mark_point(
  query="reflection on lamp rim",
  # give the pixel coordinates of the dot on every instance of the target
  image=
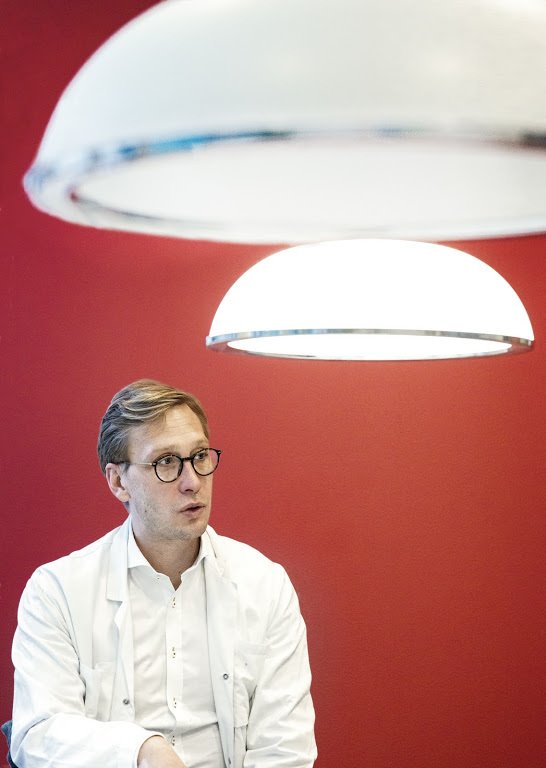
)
(112, 156)
(66, 180)
(223, 342)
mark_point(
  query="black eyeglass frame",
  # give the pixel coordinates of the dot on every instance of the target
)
(181, 460)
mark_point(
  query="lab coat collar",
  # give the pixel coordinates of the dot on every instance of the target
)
(218, 560)
(116, 588)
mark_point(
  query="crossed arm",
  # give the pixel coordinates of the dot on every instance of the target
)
(158, 753)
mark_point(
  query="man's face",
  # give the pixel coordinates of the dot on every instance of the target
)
(162, 512)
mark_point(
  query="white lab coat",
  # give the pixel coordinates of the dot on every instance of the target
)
(73, 658)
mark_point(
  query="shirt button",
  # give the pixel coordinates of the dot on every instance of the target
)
(225, 676)
(126, 701)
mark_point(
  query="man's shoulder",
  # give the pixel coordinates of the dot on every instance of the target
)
(80, 559)
(234, 548)
(238, 557)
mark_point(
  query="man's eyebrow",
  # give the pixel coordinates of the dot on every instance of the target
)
(171, 448)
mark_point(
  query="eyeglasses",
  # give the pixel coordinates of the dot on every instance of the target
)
(168, 468)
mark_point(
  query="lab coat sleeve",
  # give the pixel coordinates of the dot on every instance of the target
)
(50, 723)
(280, 732)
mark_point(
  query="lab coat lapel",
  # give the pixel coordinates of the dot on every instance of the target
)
(221, 623)
(117, 590)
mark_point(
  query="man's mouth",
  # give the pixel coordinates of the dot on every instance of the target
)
(192, 510)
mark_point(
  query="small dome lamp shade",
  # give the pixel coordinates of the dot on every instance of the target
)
(371, 300)
(290, 121)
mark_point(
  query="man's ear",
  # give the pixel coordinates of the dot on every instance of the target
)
(116, 483)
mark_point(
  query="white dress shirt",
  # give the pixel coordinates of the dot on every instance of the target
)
(173, 688)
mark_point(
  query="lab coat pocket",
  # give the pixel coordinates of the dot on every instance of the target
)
(98, 681)
(249, 660)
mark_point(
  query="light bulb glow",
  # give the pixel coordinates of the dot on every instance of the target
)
(371, 300)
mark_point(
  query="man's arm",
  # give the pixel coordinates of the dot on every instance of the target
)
(280, 732)
(157, 753)
(50, 723)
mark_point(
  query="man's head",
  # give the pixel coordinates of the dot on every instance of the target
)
(146, 427)
(141, 402)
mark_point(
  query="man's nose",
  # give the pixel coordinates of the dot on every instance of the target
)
(189, 480)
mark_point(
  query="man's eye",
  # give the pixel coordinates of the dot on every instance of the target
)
(166, 461)
(201, 455)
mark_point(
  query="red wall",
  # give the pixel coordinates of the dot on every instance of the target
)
(413, 530)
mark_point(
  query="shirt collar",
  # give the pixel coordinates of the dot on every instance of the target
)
(135, 557)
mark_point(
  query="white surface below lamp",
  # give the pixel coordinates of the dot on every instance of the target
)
(371, 300)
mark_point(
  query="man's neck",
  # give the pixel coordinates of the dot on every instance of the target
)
(171, 558)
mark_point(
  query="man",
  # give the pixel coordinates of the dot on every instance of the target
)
(163, 644)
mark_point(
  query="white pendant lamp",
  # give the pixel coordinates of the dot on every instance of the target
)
(371, 300)
(300, 120)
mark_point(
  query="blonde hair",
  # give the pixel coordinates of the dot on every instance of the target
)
(142, 401)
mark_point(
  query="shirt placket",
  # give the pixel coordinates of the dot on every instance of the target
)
(174, 663)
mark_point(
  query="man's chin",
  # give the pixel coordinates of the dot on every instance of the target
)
(194, 527)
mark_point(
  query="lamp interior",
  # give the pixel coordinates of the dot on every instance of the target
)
(356, 346)
(311, 187)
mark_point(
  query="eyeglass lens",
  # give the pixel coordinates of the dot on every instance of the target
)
(204, 462)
